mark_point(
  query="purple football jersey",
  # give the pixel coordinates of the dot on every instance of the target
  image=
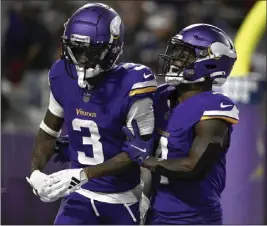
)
(94, 118)
(192, 202)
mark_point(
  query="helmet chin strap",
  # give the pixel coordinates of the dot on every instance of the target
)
(84, 74)
(174, 79)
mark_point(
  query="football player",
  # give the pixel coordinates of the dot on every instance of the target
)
(193, 127)
(95, 98)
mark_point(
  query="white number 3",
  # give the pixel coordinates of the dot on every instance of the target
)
(98, 155)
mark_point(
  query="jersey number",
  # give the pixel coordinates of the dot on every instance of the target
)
(162, 152)
(98, 155)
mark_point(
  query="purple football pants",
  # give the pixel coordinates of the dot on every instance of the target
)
(76, 209)
(161, 218)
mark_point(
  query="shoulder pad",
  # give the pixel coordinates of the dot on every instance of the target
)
(133, 67)
(221, 107)
(163, 86)
(217, 98)
(164, 90)
(128, 66)
(140, 79)
(57, 69)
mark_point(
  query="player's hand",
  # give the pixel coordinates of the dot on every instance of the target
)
(38, 181)
(138, 149)
(64, 182)
(62, 150)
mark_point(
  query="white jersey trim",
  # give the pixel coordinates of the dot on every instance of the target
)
(54, 107)
(233, 113)
(142, 111)
(144, 84)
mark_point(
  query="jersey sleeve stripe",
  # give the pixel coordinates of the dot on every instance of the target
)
(142, 91)
(228, 119)
(145, 84)
(231, 114)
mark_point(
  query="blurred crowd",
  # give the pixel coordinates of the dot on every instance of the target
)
(31, 32)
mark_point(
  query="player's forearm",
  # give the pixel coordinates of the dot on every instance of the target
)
(181, 169)
(194, 167)
(43, 150)
(45, 139)
(178, 165)
(113, 166)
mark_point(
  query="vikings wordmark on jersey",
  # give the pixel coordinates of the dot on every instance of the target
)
(94, 126)
(96, 98)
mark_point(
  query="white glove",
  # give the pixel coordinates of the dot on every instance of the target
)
(64, 182)
(143, 207)
(38, 180)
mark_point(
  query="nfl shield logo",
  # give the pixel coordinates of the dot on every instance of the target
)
(86, 97)
(166, 116)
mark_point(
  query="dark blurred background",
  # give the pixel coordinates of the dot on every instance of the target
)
(30, 41)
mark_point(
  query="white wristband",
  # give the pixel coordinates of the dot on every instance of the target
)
(49, 131)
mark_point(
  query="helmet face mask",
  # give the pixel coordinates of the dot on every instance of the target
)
(177, 56)
(83, 54)
(180, 54)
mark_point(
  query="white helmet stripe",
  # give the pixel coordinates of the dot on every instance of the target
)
(219, 49)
